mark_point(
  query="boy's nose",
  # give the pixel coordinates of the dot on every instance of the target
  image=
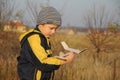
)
(53, 31)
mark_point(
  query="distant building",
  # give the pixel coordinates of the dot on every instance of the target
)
(15, 26)
(71, 32)
(68, 31)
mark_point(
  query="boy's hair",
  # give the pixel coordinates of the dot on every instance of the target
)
(49, 15)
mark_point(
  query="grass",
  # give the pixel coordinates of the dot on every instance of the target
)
(85, 66)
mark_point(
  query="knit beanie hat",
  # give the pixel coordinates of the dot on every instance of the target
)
(49, 15)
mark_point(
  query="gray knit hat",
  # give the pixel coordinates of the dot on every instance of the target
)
(49, 15)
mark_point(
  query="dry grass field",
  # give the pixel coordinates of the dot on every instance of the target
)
(85, 66)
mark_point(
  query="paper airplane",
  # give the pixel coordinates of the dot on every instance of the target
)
(65, 46)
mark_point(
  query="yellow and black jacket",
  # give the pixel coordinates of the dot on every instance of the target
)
(35, 61)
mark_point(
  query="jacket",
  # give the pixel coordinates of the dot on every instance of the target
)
(35, 61)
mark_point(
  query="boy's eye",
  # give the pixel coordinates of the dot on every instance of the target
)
(53, 28)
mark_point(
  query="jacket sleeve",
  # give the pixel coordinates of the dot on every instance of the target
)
(43, 62)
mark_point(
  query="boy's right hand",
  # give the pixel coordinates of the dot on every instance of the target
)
(69, 58)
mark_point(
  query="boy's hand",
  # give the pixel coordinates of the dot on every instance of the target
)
(69, 58)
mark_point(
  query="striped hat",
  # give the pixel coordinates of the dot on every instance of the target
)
(49, 15)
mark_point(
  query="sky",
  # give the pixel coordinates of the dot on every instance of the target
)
(72, 11)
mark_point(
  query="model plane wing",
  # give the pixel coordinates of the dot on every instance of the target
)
(65, 46)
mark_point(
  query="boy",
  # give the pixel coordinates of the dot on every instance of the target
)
(35, 61)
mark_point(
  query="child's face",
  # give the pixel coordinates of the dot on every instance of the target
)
(48, 29)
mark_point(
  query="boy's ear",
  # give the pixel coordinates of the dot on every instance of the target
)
(40, 25)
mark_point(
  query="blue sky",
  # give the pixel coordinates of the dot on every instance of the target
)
(73, 10)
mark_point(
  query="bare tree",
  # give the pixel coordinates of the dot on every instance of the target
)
(97, 21)
(118, 14)
(33, 8)
(6, 10)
